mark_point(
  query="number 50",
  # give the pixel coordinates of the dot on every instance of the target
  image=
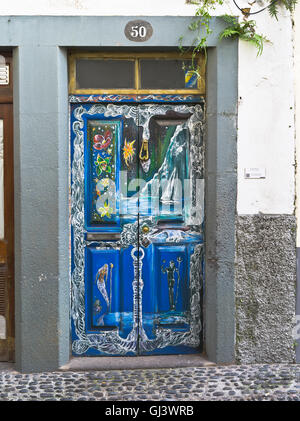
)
(138, 31)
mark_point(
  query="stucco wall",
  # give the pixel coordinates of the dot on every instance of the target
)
(265, 288)
(266, 121)
(297, 100)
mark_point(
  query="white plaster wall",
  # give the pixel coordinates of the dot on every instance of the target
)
(96, 7)
(297, 92)
(266, 136)
(266, 133)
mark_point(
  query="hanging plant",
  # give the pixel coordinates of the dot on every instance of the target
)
(244, 29)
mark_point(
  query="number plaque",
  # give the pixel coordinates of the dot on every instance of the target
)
(138, 30)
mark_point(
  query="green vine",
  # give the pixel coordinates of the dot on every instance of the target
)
(288, 4)
(244, 30)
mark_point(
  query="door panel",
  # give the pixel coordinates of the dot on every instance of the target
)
(137, 247)
(103, 139)
(166, 136)
(7, 235)
(172, 133)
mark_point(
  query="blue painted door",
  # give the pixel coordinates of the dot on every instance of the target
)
(137, 228)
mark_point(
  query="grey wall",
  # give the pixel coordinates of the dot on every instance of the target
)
(41, 207)
(265, 288)
(220, 197)
(41, 183)
(298, 308)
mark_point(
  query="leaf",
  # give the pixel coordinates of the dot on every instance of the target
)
(244, 30)
(231, 20)
(228, 32)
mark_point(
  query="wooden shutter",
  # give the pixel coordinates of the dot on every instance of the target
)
(3, 276)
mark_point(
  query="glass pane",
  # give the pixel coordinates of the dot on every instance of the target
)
(1, 183)
(105, 74)
(164, 167)
(2, 327)
(167, 74)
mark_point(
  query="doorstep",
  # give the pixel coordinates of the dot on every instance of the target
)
(144, 362)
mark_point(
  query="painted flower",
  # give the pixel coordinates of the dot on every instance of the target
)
(106, 210)
(128, 152)
(102, 185)
(102, 165)
(102, 142)
(105, 182)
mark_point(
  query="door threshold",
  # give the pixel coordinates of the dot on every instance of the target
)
(143, 362)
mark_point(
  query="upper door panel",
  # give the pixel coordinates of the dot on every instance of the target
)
(171, 160)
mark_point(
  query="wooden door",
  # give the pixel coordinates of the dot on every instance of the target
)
(171, 233)
(137, 250)
(6, 214)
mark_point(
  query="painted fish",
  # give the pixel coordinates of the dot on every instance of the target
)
(101, 278)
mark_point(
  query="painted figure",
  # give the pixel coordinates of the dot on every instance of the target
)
(171, 270)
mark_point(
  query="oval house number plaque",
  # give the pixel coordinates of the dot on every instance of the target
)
(138, 30)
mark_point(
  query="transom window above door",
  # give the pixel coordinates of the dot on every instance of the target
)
(141, 73)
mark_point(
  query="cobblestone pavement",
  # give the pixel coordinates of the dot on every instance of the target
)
(256, 382)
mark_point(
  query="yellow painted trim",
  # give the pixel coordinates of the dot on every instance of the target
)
(121, 55)
(134, 56)
(137, 75)
(72, 73)
(202, 75)
(137, 91)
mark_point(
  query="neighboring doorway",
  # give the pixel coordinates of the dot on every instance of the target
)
(137, 240)
(6, 211)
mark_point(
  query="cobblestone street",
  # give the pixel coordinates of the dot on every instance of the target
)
(257, 382)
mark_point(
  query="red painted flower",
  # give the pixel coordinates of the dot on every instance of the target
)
(102, 142)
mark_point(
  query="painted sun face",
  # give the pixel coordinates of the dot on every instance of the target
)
(128, 152)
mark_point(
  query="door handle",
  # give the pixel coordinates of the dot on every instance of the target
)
(103, 236)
